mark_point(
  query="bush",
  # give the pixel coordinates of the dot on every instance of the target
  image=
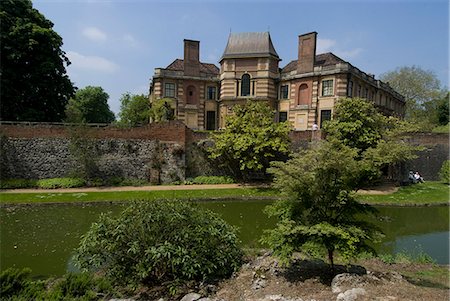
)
(17, 183)
(160, 242)
(17, 283)
(444, 173)
(61, 183)
(213, 180)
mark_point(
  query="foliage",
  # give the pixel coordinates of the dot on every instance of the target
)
(213, 180)
(90, 105)
(442, 129)
(84, 153)
(251, 140)
(17, 183)
(443, 110)
(161, 110)
(444, 173)
(418, 86)
(160, 242)
(134, 110)
(60, 183)
(34, 83)
(320, 208)
(379, 140)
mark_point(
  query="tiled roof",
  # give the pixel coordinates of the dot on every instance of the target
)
(249, 44)
(178, 65)
(324, 59)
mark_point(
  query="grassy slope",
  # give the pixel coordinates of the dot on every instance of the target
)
(426, 193)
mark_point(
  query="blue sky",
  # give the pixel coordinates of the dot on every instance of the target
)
(117, 44)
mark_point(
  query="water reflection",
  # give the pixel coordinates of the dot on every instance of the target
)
(43, 237)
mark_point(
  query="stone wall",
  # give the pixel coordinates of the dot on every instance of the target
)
(48, 151)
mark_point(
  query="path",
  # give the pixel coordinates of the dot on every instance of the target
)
(384, 189)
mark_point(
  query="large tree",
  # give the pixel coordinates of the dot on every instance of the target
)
(418, 86)
(90, 105)
(34, 83)
(134, 110)
(251, 139)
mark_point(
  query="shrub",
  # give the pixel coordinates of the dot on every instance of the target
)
(17, 283)
(213, 180)
(17, 183)
(160, 242)
(60, 183)
(444, 173)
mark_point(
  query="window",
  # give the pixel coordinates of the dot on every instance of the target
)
(350, 89)
(245, 85)
(359, 91)
(324, 116)
(169, 90)
(304, 96)
(327, 87)
(210, 120)
(282, 117)
(366, 94)
(211, 93)
(284, 92)
(191, 95)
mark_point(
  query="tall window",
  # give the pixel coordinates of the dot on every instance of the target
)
(210, 120)
(324, 116)
(169, 90)
(282, 117)
(350, 89)
(245, 85)
(211, 93)
(327, 87)
(284, 92)
(366, 94)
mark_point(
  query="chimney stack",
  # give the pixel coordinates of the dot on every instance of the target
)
(306, 52)
(191, 58)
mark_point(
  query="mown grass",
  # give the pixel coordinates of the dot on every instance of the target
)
(55, 197)
(424, 193)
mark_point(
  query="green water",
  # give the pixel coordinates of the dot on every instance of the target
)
(43, 237)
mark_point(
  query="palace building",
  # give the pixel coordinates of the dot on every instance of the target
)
(304, 92)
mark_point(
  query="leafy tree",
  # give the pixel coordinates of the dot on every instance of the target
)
(251, 139)
(319, 209)
(134, 110)
(159, 243)
(418, 86)
(34, 83)
(161, 110)
(444, 173)
(443, 110)
(90, 105)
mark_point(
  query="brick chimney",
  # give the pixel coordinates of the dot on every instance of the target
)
(306, 52)
(191, 58)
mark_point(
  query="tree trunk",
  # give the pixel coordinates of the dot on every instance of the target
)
(330, 258)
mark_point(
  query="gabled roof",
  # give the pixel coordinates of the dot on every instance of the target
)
(324, 59)
(249, 44)
(178, 65)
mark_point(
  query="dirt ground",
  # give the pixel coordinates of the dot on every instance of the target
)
(311, 280)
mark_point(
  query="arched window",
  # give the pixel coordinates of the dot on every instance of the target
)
(191, 97)
(245, 85)
(303, 97)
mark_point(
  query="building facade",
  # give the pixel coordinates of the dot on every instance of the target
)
(304, 92)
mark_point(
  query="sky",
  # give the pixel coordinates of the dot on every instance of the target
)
(117, 44)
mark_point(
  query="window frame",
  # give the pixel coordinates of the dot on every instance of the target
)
(285, 113)
(284, 93)
(328, 87)
(166, 89)
(322, 115)
(247, 76)
(210, 96)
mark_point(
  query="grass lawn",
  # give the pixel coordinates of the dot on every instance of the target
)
(423, 193)
(52, 197)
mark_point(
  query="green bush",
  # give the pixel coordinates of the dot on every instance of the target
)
(15, 284)
(444, 173)
(17, 183)
(160, 242)
(213, 180)
(61, 183)
(445, 129)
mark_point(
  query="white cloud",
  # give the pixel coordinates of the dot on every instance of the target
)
(91, 63)
(94, 34)
(324, 45)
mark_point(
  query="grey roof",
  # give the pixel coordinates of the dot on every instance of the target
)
(249, 44)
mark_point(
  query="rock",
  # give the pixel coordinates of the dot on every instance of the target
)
(191, 297)
(351, 294)
(204, 299)
(341, 281)
(258, 284)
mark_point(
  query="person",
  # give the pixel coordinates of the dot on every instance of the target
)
(411, 177)
(315, 127)
(418, 177)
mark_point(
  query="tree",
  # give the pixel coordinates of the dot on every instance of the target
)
(378, 140)
(319, 209)
(134, 110)
(418, 86)
(443, 110)
(161, 110)
(160, 242)
(250, 140)
(34, 83)
(90, 105)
